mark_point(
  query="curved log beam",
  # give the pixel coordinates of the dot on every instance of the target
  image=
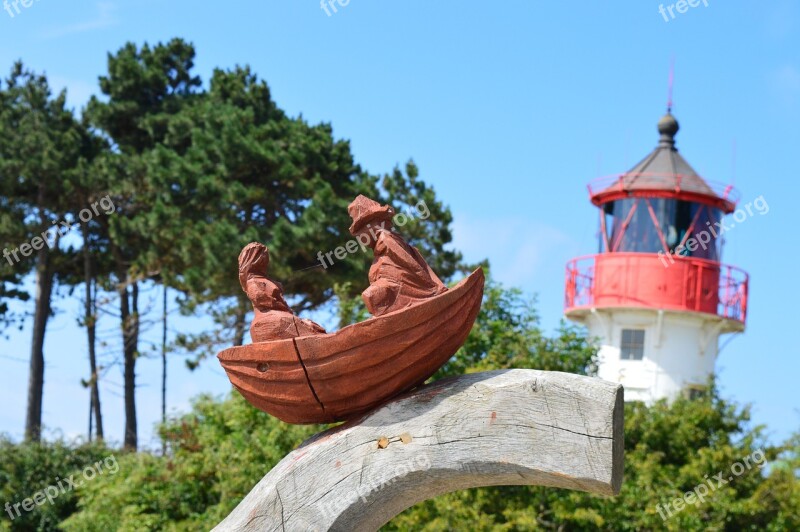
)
(515, 427)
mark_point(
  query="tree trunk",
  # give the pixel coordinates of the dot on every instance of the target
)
(98, 412)
(90, 318)
(44, 289)
(241, 320)
(129, 316)
(131, 352)
(164, 371)
(91, 410)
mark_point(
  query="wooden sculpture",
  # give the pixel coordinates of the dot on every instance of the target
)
(399, 277)
(300, 374)
(273, 319)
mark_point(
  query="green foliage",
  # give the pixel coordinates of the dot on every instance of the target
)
(507, 335)
(30, 467)
(10, 279)
(427, 219)
(350, 309)
(41, 157)
(44, 152)
(234, 169)
(143, 86)
(217, 453)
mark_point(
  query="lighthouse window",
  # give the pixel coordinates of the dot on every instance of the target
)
(647, 225)
(632, 347)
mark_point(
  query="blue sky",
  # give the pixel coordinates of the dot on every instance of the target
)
(509, 109)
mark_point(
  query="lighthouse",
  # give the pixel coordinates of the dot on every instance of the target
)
(657, 296)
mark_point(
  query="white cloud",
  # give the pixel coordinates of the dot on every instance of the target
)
(103, 19)
(781, 19)
(785, 84)
(520, 251)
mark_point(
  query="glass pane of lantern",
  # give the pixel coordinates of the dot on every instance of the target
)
(632, 227)
(640, 235)
(704, 238)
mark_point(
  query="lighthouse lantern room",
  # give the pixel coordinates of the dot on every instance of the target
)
(657, 296)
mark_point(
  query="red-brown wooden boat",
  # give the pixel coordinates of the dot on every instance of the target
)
(338, 376)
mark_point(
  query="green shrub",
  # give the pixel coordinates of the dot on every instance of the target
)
(27, 468)
(217, 453)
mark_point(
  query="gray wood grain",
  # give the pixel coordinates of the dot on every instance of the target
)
(515, 427)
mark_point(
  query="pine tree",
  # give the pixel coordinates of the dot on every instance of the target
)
(144, 87)
(42, 153)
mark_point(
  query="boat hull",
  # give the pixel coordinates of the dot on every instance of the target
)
(339, 376)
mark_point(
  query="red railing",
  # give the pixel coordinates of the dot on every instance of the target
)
(733, 286)
(656, 281)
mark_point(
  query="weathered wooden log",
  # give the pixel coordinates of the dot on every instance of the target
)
(515, 427)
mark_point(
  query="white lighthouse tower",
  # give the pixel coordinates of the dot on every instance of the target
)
(657, 296)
